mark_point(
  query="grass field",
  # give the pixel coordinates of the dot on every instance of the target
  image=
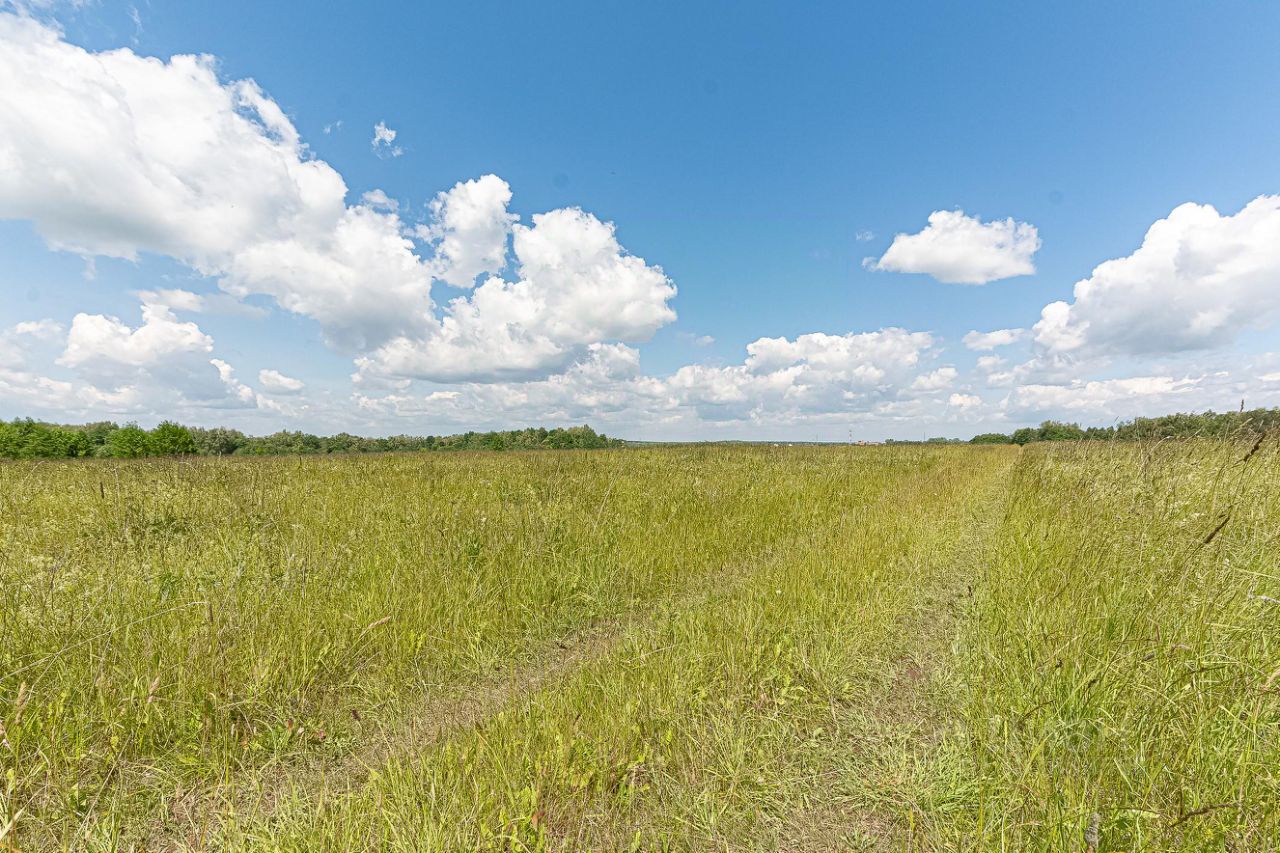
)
(731, 648)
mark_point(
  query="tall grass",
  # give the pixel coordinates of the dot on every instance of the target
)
(672, 648)
(1120, 665)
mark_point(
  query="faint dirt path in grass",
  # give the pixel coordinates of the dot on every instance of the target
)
(432, 718)
(873, 804)
(195, 818)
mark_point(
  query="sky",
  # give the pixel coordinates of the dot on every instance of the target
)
(667, 220)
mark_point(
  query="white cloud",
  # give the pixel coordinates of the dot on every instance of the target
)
(177, 299)
(276, 382)
(235, 388)
(115, 154)
(470, 226)
(936, 380)
(576, 286)
(988, 363)
(379, 200)
(1101, 396)
(813, 375)
(959, 249)
(95, 338)
(18, 342)
(987, 341)
(605, 382)
(1198, 279)
(28, 389)
(383, 142)
(964, 401)
(167, 159)
(161, 366)
(44, 330)
(816, 378)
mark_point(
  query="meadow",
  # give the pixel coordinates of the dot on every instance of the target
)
(1063, 646)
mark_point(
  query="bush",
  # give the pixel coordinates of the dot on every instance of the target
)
(170, 439)
(128, 442)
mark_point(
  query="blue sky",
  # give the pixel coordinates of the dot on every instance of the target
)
(755, 153)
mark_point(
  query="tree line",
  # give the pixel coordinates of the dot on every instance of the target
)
(1181, 425)
(30, 439)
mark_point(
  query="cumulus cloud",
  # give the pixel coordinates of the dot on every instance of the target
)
(31, 390)
(235, 388)
(959, 249)
(168, 159)
(1198, 279)
(987, 341)
(964, 401)
(988, 363)
(935, 380)
(384, 141)
(606, 381)
(814, 374)
(277, 383)
(576, 286)
(96, 338)
(1101, 396)
(116, 154)
(111, 368)
(470, 226)
(816, 378)
(160, 364)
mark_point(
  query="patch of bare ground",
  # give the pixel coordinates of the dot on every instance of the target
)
(870, 804)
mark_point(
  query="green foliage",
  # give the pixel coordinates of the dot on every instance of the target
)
(170, 439)
(28, 439)
(128, 442)
(1182, 425)
(218, 441)
(1026, 435)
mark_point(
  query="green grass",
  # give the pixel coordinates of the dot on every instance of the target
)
(740, 648)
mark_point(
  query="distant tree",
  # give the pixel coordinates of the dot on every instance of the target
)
(218, 441)
(28, 439)
(170, 439)
(1026, 435)
(344, 442)
(1058, 431)
(991, 438)
(97, 433)
(128, 442)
